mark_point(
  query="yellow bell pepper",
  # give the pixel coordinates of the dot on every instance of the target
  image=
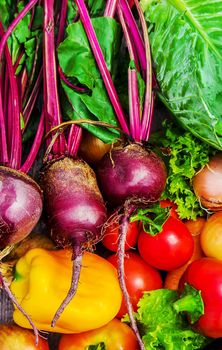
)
(42, 279)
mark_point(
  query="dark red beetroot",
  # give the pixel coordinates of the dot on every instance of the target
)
(20, 206)
(131, 173)
(74, 205)
(76, 211)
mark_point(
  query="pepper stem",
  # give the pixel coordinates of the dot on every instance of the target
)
(191, 302)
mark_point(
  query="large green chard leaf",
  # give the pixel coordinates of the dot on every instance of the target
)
(186, 43)
(78, 63)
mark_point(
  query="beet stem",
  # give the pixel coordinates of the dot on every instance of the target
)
(135, 34)
(120, 254)
(15, 302)
(3, 141)
(110, 8)
(52, 106)
(134, 102)
(148, 105)
(62, 21)
(35, 146)
(67, 82)
(32, 99)
(74, 140)
(87, 24)
(76, 269)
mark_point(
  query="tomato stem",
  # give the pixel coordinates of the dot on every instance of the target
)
(191, 302)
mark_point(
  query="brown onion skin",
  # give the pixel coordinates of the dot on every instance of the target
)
(207, 184)
(74, 205)
(20, 206)
(92, 149)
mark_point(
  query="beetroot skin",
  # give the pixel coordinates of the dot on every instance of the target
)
(132, 173)
(74, 205)
(20, 206)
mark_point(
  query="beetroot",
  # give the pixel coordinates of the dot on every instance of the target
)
(74, 205)
(20, 206)
(76, 212)
(131, 173)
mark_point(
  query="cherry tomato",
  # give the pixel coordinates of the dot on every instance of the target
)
(205, 275)
(170, 248)
(111, 236)
(139, 276)
(211, 236)
(166, 203)
(116, 335)
(13, 337)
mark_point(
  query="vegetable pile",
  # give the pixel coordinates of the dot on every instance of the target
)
(110, 174)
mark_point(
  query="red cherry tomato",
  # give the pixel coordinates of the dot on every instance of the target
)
(205, 275)
(111, 236)
(139, 276)
(169, 249)
(166, 203)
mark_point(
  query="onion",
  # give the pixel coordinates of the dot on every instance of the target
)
(92, 149)
(207, 184)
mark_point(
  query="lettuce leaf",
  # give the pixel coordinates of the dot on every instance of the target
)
(186, 44)
(162, 327)
(184, 154)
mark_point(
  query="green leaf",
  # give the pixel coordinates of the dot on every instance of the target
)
(38, 18)
(162, 327)
(96, 7)
(75, 109)
(6, 13)
(186, 44)
(191, 302)
(153, 218)
(184, 155)
(22, 31)
(78, 63)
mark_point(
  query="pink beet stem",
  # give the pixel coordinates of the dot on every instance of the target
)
(86, 21)
(74, 140)
(134, 102)
(52, 107)
(110, 8)
(135, 34)
(32, 99)
(35, 146)
(147, 115)
(62, 21)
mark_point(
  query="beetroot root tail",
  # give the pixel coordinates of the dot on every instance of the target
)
(121, 275)
(19, 307)
(76, 269)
